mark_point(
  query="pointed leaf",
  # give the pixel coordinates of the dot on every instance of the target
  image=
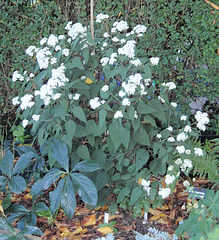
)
(6, 164)
(102, 117)
(70, 127)
(87, 166)
(31, 230)
(83, 152)
(17, 184)
(79, 113)
(22, 162)
(55, 196)
(114, 133)
(68, 200)
(60, 153)
(46, 181)
(124, 135)
(141, 136)
(86, 188)
(135, 195)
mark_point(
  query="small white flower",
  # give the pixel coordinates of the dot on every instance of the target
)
(106, 35)
(170, 168)
(173, 104)
(187, 128)
(154, 60)
(186, 183)
(56, 96)
(115, 39)
(118, 114)
(105, 44)
(95, 103)
(164, 192)
(159, 135)
(183, 118)
(180, 149)
(76, 96)
(53, 60)
(188, 163)
(170, 128)
(171, 139)
(178, 161)
(161, 99)
(57, 48)
(198, 151)
(25, 123)
(193, 179)
(65, 52)
(104, 61)
(15, 101)
(188, 151)
(31, 75)
(126, 102)
(181, 137)
(146, 185)
(100, 17)
(122, 94)
(169, 179)
(136, 114)
(105, 88)
(43, 40)
(36, 117)
(102, 101)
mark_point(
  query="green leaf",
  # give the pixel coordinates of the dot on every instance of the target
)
(147, 71)
(86, 54)
(142, 157)
(75, 63)
(5, 225)
(31, 230)
(95, 129)
(145, 109)
(141, 136)
(17, 184)
(86, 188)
(45, 182)
(70, 127)
(83, 152)
(149, 119)
(81, 131)
(114, 133)
(68, 200)
(135, 195)
(87, 166)
(122, 194)
(6, 164)
(79, 113)
(136, 124)
(102, 117)
(124, 135)
(22, 162)
(55, 196)
(60, 153)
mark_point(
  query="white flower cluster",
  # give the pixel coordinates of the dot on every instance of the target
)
(100, 17)
(118, 114)
(105, 88)
(112, 58)
(128, 49)
(43, 57)
(120, 26)
(15, 101)
(75, 97)
(136, 62)
(164, 192)
(154, 60)
(36, 117)
(169, 179)
(131, 85)
(95, 102)
(185, 164)
(198, 151)
(170, 85)
(52, 40)
(17, 76)
(146, 185)
(202, 119)
(104, 61)
(181, 137)
(75, 30)
(139, 29)
(26, 101)
(57, 80)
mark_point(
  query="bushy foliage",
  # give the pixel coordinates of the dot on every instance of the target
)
(22, 24)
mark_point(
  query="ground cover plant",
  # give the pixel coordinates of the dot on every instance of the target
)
(103, 125)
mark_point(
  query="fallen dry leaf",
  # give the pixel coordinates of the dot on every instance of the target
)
(105, 230)
(89, 220)
(163, 221)
(78, 230)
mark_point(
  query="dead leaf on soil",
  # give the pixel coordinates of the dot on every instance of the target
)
(89, 220)
(105, 230)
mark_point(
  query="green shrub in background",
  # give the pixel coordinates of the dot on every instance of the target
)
(21, 24)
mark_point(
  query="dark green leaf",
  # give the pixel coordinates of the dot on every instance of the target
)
(60, 153)
(31, 230)
(86, 188)
(17, 184)
(122, 194)
(102, 117)
(114, 133)
(75, 63)
(141, 136)
(79, 113)
(6, 164)
(124, 135)
(87, 166)
(70, 127)
(142, 157)
(46, 181)
(145, 109)
(68, 200)
(22, 162)
(81, 131)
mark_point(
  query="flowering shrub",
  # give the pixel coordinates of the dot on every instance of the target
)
(102, 121)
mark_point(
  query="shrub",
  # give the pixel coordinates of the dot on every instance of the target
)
(101, 121)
